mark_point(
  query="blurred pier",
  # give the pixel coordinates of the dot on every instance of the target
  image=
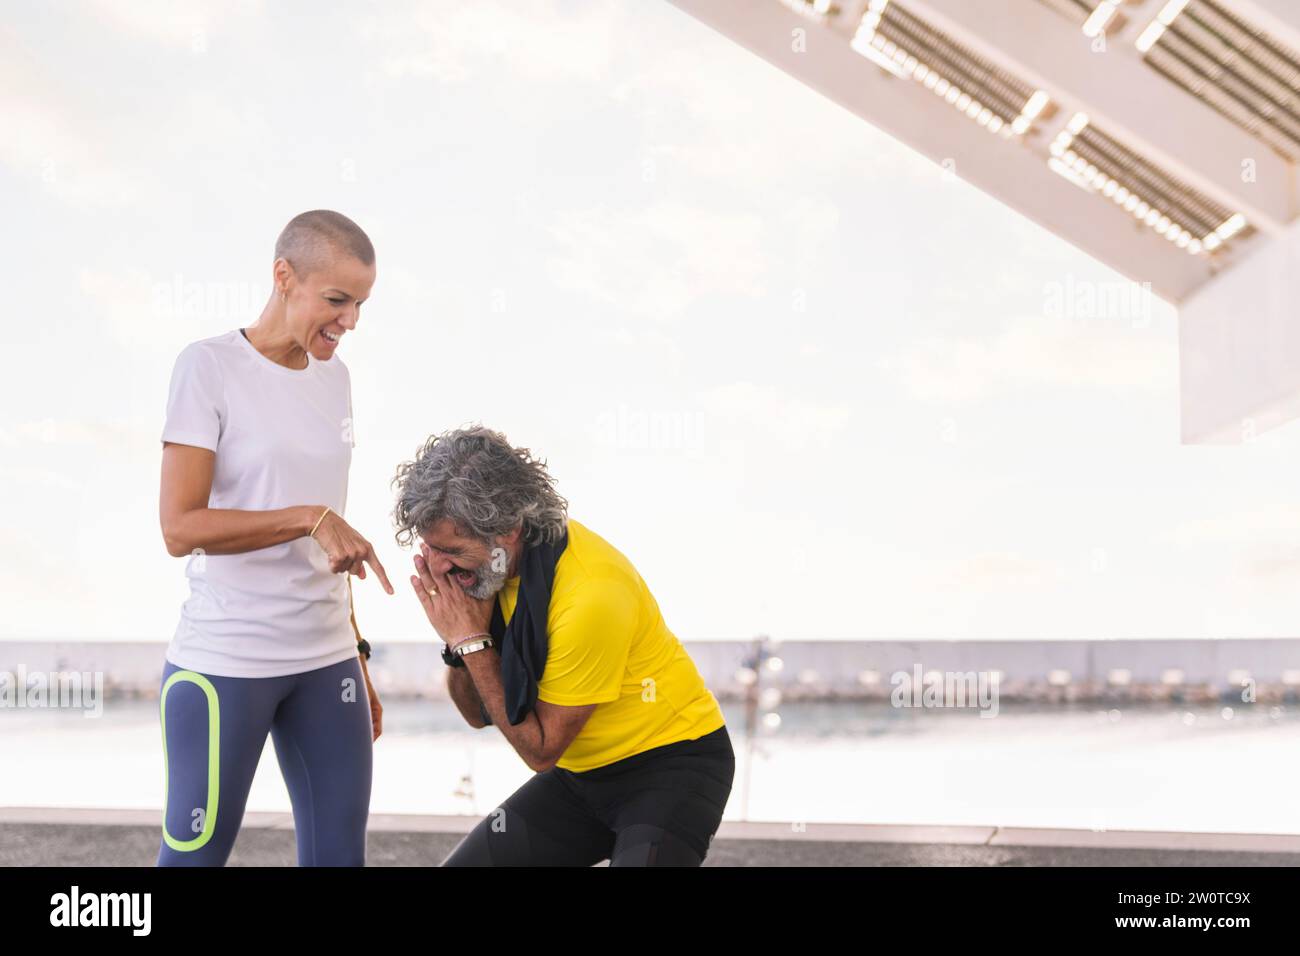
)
(1048, 671)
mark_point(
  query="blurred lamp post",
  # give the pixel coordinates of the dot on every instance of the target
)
(762, 657)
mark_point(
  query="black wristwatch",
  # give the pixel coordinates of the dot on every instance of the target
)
(450, 659)
(363, 647)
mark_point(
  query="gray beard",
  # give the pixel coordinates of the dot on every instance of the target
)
(487, 583)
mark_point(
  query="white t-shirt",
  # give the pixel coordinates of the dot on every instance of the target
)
(282, 437)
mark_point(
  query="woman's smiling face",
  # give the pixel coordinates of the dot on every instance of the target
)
(323, 306)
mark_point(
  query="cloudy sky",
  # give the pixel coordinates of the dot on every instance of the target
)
(811, 384)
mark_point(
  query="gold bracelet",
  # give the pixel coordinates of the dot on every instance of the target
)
(318, 521)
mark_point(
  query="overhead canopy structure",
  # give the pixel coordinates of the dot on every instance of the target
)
(1159, 136)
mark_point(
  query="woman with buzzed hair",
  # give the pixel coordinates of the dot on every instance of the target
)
(256, 448)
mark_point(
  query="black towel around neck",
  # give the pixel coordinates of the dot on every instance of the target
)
(523, 644)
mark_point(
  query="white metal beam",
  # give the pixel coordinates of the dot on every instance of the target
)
(1125, 99)
(1280, 19)
(1015, 173)
(1239, 347)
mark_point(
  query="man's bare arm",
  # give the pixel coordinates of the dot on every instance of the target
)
(465, 696)
(542, 736)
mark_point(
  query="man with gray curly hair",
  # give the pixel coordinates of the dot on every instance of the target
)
(552, 636)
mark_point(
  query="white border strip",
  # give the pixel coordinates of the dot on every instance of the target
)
(749, 830)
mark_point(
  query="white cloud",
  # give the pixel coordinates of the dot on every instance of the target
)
(1000, 571)
(1038, 352)
(160, 315)
(654, 262)
(779, 416)
(177, 23)
(1274, 566)
(453, 42)
(1238, 527)
(718, 130)
(90, 158)
(62, 434)
(47, 142)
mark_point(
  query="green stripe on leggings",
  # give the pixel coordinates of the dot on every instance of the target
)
(214, 760)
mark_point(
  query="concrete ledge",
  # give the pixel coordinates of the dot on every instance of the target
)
(1149, 840)
(98, 817)
(855, 832)
(992, 836)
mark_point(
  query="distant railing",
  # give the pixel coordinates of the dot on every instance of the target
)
(1037, 670)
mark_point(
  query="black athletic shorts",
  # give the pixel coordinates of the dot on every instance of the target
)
(660, 807)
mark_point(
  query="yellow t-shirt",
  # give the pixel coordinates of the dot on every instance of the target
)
(609, 646)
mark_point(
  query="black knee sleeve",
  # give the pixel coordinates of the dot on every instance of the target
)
(644, 844)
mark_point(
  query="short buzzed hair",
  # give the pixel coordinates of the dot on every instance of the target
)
(311, 239)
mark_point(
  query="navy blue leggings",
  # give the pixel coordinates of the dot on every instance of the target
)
(214, 730)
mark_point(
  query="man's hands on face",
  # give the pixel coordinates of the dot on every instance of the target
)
(453, 613)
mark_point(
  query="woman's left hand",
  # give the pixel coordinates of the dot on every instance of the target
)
(453, 613)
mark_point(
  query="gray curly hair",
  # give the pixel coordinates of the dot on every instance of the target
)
(484, 485)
